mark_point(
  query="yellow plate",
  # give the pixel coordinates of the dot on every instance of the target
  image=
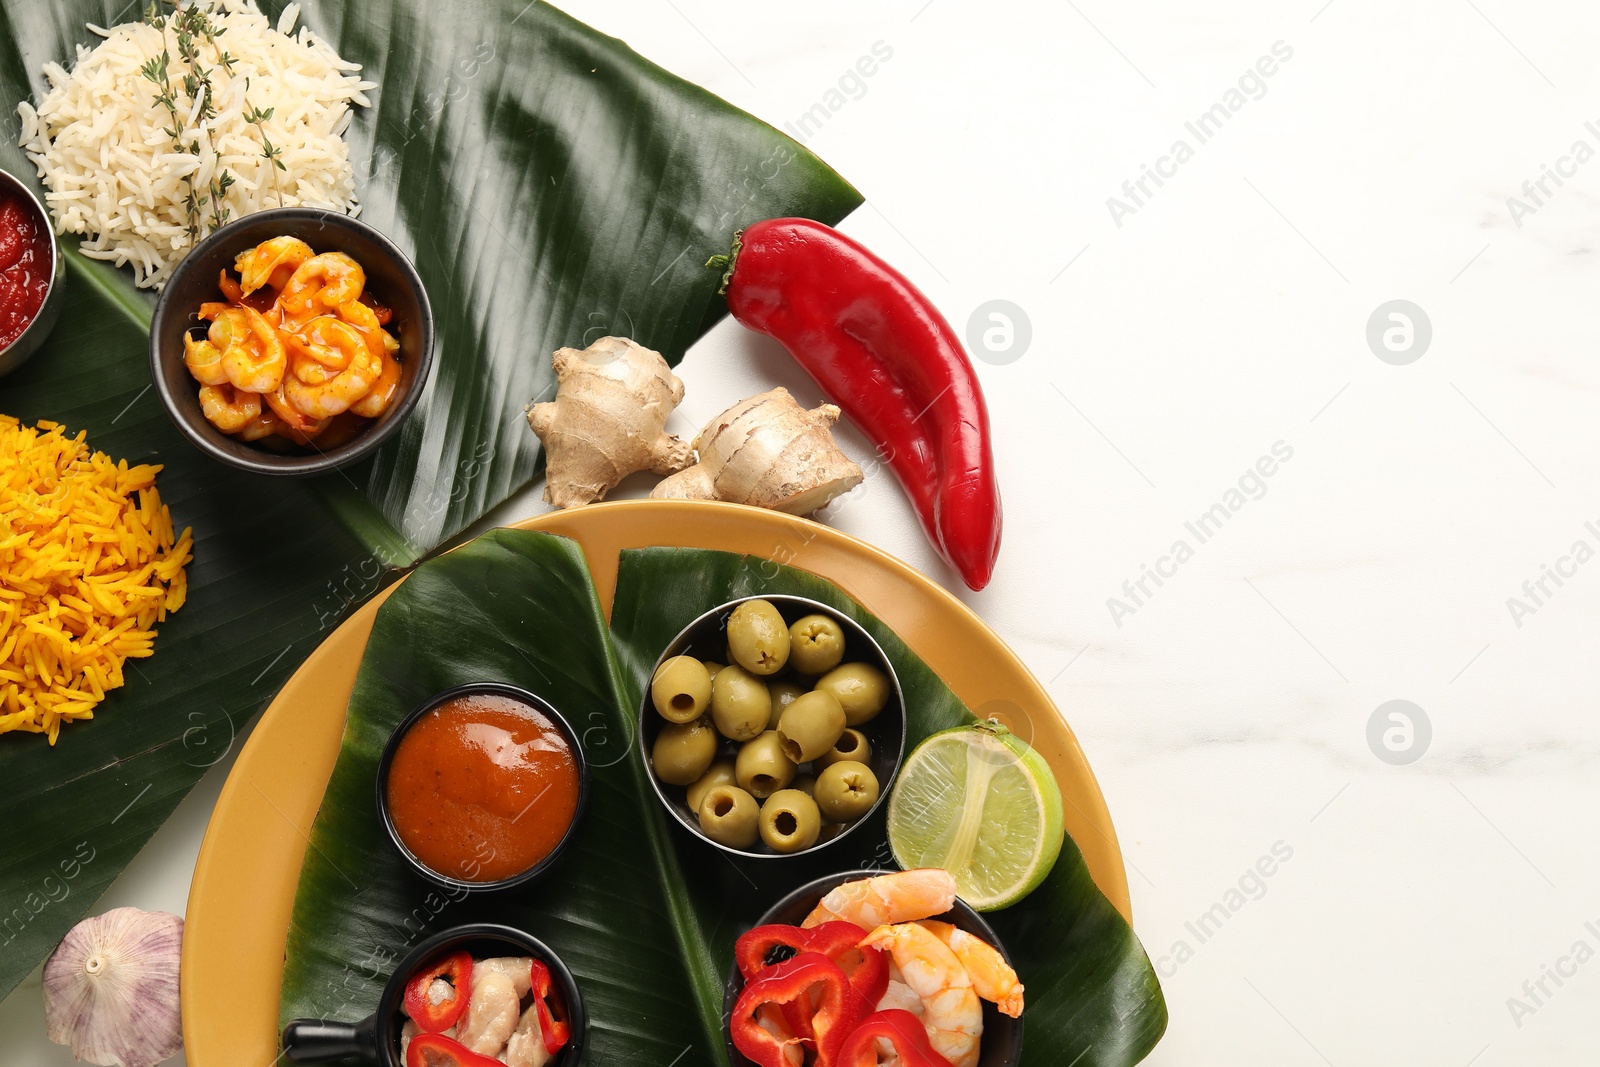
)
(249, 865)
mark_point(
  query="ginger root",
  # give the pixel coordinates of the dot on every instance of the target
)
(770, 452)
(607, 421)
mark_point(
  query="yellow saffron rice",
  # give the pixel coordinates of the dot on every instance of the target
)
(88, 566)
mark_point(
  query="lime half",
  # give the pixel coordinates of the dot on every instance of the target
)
(983, 805)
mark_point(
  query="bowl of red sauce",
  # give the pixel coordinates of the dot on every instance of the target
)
(482, 787)
(31, 270)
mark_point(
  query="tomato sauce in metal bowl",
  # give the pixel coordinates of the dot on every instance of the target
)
(26, 265)
(483, 787)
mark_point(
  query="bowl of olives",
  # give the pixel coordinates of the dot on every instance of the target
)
(772, 726)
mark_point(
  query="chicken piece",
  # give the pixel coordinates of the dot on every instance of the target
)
(517, 968)
(407, 1032)
(526, 1045)
(491, 1013)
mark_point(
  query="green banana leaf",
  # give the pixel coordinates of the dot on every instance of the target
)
(551, 186)
(643, 913)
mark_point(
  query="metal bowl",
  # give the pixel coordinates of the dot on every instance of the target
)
(705, 638)
(391, 278)
(28, 341)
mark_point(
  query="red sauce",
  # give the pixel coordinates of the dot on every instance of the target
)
(25, 265)
(482, 787)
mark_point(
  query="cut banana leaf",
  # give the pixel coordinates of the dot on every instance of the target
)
(551, 186)
(644, 913)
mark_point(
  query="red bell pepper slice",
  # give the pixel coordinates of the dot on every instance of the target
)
(870, 977)
(904, 1032)
(837, 940)
(436, 1050)
(784, 983)
(556, 1032)
(455, 969)
(750, 951)
(832, 939)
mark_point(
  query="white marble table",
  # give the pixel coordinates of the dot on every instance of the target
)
(1415, 912)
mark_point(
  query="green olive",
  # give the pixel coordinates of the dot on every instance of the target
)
(810, 726)
(719, 773)
(816, 644)
(806, 783)
(729, 815)
(761, 766)
(758, 640)
(790, 821)
(861, 689)
(683, 751)
(712, 667)
(783, 694)
(681, 689)
(852, 745)
(846, 790)
(740, 703)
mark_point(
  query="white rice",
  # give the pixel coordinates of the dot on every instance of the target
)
(111, 172)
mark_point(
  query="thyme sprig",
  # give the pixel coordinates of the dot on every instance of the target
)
(270, 152)
(192, 25)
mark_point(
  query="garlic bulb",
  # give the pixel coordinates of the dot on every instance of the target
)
(111, 989)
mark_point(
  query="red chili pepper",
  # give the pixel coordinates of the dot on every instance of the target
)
(456, 969)
(785, 983)
(885, 355)
(436, 1050)
(904, 1032)
(556, 1032)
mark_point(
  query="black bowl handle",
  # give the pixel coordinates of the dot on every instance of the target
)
(320, 1040)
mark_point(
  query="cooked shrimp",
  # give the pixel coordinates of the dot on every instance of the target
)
(263, 425)
(252, 355)
(525, 1047)
(378, 398)
(887, 898)
(381, 342)
(324, 346)
(951, 1011)
(491, 1016)
(297, 427)
(366, 320)
(899, 995)
(229, 408)
(204, 361)
(519, 969)
(336, 369)
(321, 284)
(992, 977)
(270, 263)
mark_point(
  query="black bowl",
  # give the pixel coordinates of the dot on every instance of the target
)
(1002, 1035)
(391, 279)
(499, 689)
(706, 638)
(376, 1039)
